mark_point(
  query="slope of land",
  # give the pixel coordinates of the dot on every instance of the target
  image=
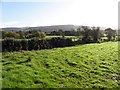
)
(45, 28)
(82, 66)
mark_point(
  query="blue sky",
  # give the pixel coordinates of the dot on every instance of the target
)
(77, 12)
(25, 12)
(28, 11)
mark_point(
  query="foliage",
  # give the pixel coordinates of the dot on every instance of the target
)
(86, 33)
(35, 44)
(110, 34)
(40, 35)
(23, 34)
(10, 34)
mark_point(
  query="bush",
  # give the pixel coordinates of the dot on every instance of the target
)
(35, 44)
(24, 44)
(118, 38)
(8, 45)
(61, 42)
(38, 44)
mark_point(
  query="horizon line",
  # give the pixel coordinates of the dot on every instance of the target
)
(56, 25)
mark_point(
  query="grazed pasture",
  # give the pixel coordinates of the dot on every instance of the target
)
(81, 66)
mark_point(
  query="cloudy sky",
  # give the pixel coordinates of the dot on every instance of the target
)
(103, 13)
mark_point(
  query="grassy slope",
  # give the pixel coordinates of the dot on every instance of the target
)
(83, 66)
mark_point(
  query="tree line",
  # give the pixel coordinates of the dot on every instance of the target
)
(34, 39)
(30, 34)
(89, 33)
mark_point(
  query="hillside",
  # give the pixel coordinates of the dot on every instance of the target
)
(83, 66)
(55, 28)
(11, 28)
(46, 28)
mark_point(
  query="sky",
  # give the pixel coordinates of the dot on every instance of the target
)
(29, 13)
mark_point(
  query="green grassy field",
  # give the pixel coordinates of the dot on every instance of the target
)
(81, 66)
(60, 36)
(74, 38)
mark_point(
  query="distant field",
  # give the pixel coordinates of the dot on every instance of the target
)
(83, 66)
(61, 36)
(74, 38)
(49, 37)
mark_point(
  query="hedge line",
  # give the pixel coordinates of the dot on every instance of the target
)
(10, 45)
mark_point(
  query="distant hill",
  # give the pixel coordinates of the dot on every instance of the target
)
(11, 28)
(55, 28)
(46, 28)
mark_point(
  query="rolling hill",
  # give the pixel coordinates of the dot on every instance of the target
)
(46, 28)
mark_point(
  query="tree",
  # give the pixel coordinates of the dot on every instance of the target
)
(110, 33)
(79, 33)
(4, 34)
(40, 35)
(13, 34)
(86, 33)
(95, 33)
(61, 32)
(21, 33)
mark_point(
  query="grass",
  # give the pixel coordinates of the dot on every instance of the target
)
(81, 66)
(60, 36)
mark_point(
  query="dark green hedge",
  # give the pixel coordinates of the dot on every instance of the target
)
(35, 44)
